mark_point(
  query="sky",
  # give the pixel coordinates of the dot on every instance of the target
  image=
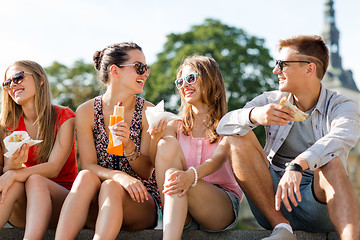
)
(68, 30)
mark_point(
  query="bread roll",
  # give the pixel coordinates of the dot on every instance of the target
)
(298, 114)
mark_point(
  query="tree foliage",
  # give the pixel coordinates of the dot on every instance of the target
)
(71, 86)
(243, 60)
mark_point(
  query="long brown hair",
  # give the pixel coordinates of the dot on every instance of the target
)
(212, 94)
(46, 113)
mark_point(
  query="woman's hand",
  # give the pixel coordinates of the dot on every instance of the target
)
(179, 182)
(158, 131)
(133, 186)
(121, 131)
(17, 159)
(6, 180)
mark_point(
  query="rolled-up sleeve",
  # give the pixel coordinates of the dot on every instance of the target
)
(342, 135)
(236, 122)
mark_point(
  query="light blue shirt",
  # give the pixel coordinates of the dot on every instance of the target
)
(335, 123)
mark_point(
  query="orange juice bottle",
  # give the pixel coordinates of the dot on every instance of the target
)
(115, 145)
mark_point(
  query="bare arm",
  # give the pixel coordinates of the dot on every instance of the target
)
(88, 156)
(50, 169)
(181, 181)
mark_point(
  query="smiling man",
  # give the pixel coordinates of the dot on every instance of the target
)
(299, 180)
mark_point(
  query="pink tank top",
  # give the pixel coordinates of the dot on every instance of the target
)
(197, 151)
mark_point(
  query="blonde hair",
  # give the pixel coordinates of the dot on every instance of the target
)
(212, 94)
(46, 113)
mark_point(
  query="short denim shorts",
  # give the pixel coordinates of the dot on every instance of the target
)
(193, 225)
(310, 215)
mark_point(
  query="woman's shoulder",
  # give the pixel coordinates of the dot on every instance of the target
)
(148, 104)
(86, 107)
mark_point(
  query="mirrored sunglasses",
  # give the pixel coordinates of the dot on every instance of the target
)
(16, 79)
(190, 79)
(140, 67)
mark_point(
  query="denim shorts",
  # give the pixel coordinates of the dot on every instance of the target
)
(310, 215)
(193, 225)
(158, 221)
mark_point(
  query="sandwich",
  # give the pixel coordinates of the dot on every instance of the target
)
(298, 114)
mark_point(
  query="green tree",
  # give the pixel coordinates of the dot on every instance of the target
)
(243, 60)
(71, 86)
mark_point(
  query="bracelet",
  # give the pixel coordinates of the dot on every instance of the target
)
(134, 155)
(293, 167)
(196, 176)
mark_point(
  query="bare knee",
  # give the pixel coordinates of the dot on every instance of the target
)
(36, 181)
(168, 149)
(112, 189)
(246, 148)
(86, 180)
(330, 179)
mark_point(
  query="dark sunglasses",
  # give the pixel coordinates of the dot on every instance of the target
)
(281, 63)
(140, 67)
(190, 79)
(16, 79)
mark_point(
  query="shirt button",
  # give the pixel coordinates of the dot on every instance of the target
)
(332, 155)
(281, 139)
(315, 165)
(269, 133)
(289, 123)
(270, 157)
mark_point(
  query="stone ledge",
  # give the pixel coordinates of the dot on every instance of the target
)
(16, 233)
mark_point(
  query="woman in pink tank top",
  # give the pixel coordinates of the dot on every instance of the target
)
(197, 185)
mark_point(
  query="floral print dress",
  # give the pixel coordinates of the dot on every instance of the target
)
(120, 162)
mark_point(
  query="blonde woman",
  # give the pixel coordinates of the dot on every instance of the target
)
(35, 180)
(113, 193)
(198, 187)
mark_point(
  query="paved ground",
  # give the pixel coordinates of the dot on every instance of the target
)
(17, 234)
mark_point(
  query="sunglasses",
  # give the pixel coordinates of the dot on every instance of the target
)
(280, 63)
(16, 79)
(140, 67)
(190, 79)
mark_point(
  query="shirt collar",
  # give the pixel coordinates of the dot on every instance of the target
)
(321, 103)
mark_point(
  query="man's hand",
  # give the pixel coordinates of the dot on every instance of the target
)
(288, 185)
(271, 114)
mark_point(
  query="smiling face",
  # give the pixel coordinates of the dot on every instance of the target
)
(128, 76)
(191, 93)
(25, 91)
(291, 78)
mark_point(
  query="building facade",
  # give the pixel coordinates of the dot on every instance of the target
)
(341, 81)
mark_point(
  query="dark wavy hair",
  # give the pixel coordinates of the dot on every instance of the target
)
(114, 54)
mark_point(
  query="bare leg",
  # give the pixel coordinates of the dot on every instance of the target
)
(175, 212)
(117, 209)
(251, 169)
(13, 208)
(210, 206)
(44, 201)
(75, 209)
(331, 185)
(169, 156)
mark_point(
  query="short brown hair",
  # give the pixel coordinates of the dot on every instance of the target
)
(313, 48)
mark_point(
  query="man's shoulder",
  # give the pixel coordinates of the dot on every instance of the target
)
(273, 96)
(333, 101)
